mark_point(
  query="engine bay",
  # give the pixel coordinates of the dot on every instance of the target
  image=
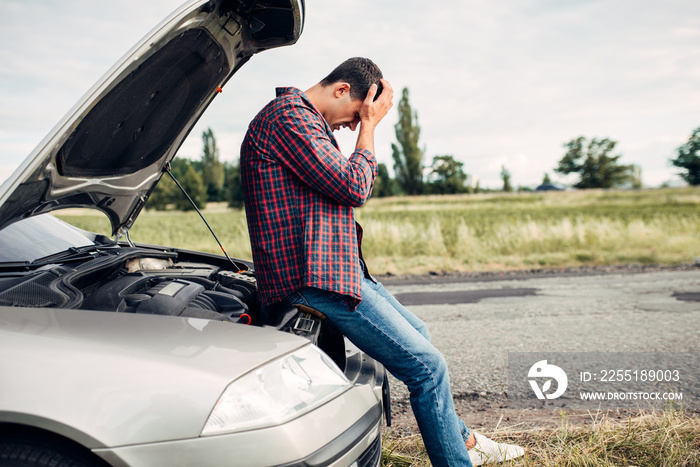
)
(125, 281)
(161, 286)
(164, 282)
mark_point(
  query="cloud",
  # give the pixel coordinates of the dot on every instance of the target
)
(492, 83)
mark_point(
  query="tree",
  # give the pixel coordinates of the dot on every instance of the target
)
(384, 185)
(408, 157)
(546, 179)
(447, 175)
(635, 176)
(234, 185)
(593, 162)
(213, 174)
(179, 166)
(689, 159)
(167, 192)
(505, 176)
(163, 195)
(193, 184)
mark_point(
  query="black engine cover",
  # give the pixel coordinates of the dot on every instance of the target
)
(136, 293)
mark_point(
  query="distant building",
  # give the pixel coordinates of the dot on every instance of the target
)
(551, 186)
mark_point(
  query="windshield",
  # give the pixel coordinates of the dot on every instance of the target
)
(37, 237)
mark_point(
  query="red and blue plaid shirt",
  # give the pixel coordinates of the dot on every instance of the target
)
(299, 196)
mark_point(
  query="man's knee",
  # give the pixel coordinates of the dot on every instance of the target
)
(423, 329)
(439, 363)
(430, 368)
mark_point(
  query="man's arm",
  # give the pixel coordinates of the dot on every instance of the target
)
(371, 113)
(306, 150)
(310, 154)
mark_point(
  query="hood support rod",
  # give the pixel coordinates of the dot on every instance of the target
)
(194, 205)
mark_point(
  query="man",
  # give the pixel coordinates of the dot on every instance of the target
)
(300, 192)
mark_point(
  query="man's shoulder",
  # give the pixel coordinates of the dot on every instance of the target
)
(289, 105)
(289, 93)
(291, 98)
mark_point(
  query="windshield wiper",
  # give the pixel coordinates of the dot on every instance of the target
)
(75, 254)
(68, 256)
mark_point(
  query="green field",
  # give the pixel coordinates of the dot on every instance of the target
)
(477, 232)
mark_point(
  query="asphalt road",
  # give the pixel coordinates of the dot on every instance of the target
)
(476, 322)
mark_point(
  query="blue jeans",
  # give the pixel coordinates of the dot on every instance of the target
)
(386, 331)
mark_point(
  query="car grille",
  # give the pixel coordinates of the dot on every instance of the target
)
(372, 455)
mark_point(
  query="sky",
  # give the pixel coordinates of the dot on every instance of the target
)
(493, 83)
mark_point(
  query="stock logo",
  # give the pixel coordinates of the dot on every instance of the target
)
(542, 369)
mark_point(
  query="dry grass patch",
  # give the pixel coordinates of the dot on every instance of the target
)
(668, 439)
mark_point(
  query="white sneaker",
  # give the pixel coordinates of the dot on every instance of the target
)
(487, 451)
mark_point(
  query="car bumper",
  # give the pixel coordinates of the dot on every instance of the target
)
(331, 435)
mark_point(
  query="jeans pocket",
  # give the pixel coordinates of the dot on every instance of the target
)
(316, 298)
(294, 298)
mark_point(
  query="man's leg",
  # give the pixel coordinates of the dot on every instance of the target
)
(383, 332)
(398, 306)
(421, 327)
(481, 449)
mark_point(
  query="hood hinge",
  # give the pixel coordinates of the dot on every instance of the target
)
(124, 232)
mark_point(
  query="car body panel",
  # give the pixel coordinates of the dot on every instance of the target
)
(306, 439)
(106, 363)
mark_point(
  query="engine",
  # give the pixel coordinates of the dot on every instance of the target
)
(158, 295)
(140, 285)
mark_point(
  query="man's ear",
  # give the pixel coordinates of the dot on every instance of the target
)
(341, 89)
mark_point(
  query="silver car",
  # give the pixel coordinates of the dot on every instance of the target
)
(123, 354)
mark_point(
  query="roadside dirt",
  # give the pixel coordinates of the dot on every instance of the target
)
(490, 414)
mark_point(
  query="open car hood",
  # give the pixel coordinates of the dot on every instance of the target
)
(109, 151)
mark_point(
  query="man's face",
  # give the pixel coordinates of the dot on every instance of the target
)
(345, 111)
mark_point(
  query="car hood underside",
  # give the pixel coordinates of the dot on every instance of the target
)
(110, 150)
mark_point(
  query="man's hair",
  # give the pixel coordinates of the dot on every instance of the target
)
(360, 73)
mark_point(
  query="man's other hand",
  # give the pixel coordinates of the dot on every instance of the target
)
(372, 112)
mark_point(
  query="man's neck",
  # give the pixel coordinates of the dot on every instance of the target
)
(317, 96)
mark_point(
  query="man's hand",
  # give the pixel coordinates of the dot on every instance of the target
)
(372, 112)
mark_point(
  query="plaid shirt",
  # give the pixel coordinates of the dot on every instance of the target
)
(299, 197)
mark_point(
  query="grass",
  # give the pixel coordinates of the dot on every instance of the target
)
(532, 230)
(667, 439)
(478, 232)
(176, 228)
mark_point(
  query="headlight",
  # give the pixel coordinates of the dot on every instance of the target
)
(277, 392)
